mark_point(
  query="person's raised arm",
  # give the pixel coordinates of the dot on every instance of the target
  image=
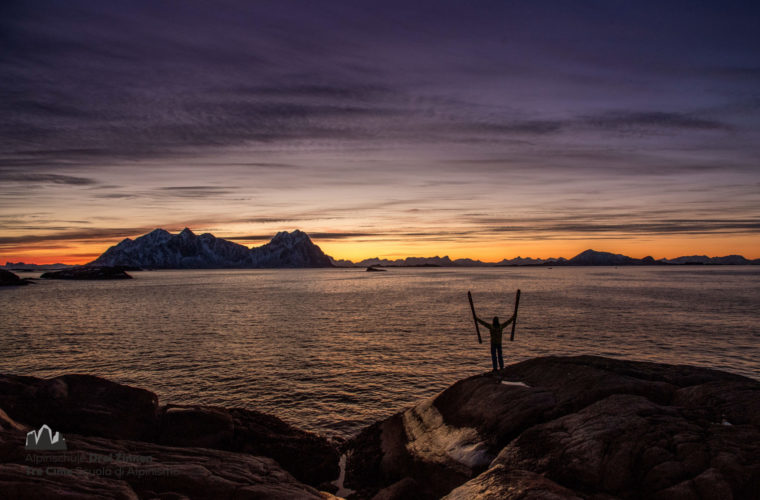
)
(487, 325)
(510, 320)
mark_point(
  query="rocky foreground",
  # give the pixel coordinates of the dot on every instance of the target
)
(574, 427)
(193, 451)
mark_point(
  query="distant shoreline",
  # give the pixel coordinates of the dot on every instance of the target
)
(43, 267)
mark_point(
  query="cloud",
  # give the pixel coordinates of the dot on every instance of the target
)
(316, 235)
(116, 196)
(527, 127)
(329, 92)
(591, 226)
(99, 234)
(627, 120)
(195, 191)
(54, 108)
(353, 113)
(262, 165)
(32, 178)
(740, 73)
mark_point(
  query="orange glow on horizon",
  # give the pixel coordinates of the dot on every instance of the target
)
(484, 249)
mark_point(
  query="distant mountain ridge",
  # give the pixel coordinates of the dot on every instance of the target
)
(594, 258)
(35, 267)
(586, 258)
(704, 259)
(160, 249)
(445, 261)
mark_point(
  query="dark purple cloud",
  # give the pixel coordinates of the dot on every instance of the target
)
(88, 81)
(277, 109)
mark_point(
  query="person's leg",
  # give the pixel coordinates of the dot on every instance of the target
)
(501, 359)
(493, 355)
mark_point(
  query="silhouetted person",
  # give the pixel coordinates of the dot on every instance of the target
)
(496, 330)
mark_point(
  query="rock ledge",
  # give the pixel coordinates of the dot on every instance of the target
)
(570, 427)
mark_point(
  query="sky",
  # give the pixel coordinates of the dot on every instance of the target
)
(480, 129)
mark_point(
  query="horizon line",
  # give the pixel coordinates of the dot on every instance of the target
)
(393, 257)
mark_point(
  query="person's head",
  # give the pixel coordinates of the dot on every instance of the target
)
(495, 320)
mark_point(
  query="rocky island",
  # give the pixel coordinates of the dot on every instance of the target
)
(552, 427)
(8, 278)
(160, 249)
(89, 273)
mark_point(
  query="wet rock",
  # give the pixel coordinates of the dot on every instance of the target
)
(578, 426)
(88, 273)
(378, 457)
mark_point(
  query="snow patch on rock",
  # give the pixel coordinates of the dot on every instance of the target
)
(518, 384)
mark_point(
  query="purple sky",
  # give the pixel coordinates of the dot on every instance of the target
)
(484, 129)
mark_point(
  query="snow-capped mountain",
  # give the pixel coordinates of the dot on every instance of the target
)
(294, 249)
(160, 249)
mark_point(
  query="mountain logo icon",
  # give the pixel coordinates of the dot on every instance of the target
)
(44, 440)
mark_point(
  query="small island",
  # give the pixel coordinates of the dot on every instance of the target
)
(89, 273)
(8, 278)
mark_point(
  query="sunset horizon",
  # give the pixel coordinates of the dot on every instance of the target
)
(342, 250)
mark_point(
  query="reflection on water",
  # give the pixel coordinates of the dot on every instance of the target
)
(333, 350)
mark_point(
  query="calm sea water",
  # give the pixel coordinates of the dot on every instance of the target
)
(334, 350)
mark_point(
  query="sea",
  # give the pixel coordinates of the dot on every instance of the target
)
(333, 350)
